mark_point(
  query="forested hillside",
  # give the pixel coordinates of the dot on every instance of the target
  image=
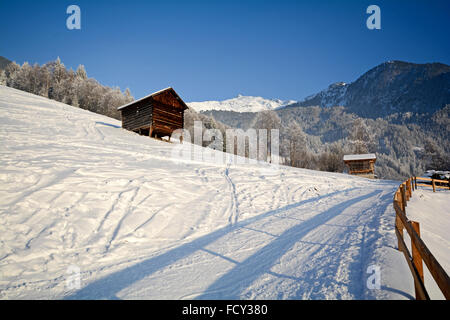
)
(405, 143)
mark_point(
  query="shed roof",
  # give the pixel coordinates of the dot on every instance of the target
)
(155, 94)
(353, 157)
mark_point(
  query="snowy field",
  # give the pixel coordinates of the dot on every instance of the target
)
(77, 191)
(431, 210)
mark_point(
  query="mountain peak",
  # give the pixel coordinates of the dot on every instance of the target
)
(391, 87)
(241, 104)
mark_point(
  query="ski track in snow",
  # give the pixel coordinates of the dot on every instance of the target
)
(76, 189)
(234, 210)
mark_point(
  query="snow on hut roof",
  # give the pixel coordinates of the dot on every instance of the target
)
(154, 94)
(367, 156)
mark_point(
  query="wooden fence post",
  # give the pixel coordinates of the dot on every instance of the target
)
(406, 191)
(398, 198)
(403, 195)
(409, 189)
(399, 225)
(434, 186)
(417, 259)
(415, 181)
(419, 254)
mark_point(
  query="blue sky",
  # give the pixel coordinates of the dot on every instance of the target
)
(217, 49)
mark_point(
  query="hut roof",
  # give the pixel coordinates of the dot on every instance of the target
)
(155, 94)
(355, 157)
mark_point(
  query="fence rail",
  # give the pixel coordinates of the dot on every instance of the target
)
(420, 252)
(433, 183)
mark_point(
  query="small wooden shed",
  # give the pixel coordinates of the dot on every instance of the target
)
(361, 164)
(156, 115)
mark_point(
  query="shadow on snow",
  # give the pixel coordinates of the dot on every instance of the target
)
(232, 284)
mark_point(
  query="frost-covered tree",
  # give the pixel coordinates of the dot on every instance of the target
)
(23, 78)
(11, 74)
(81, 72)
(58, 88)
(3, 78)
(54, 81)
(435, 157)
(361, 139)
(297, 145)
(35, 81)
(128, 96)
(268, 120)
(68, 88)
(332, 159)
(45, 78)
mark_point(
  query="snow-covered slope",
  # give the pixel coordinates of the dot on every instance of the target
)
(430, 209)
(77, 192)
(241, 104)
(334, 95)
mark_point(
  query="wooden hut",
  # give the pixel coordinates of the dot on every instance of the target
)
(156, 115)
(361, 164)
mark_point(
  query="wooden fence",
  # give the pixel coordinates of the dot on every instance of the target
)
(420, 252)
(435, 183)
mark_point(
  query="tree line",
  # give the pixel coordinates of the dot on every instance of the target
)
(54, 81)
(296, 148)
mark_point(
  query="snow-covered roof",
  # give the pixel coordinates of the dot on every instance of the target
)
(367, 156)
(151, 95)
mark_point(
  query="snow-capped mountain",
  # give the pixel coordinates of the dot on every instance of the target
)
(334, 95)
(391, 87)
(241, 104)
